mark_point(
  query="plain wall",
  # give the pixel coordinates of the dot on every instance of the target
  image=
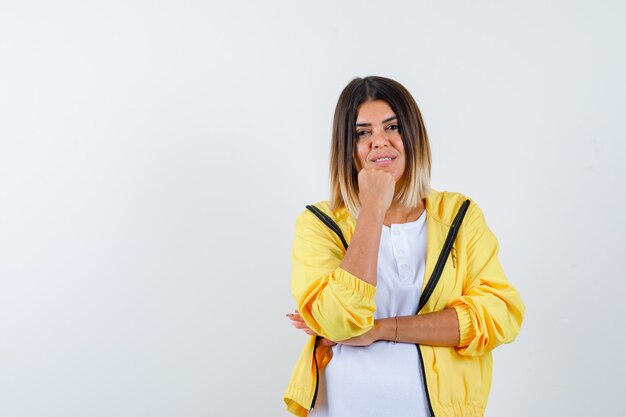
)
(154, 157)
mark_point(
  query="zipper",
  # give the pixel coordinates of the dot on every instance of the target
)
(443, 255)
(330, 223)
(448, 247)
(430, 406)
(317, 376)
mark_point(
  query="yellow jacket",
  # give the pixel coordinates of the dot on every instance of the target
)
(337, 305)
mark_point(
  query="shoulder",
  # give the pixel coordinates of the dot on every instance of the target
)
(339, 216)
(444, 205)
(310, 227)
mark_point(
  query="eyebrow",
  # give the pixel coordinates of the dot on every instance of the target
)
(388, 119)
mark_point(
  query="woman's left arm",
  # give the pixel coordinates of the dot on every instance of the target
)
(488, 312)
(436, 329)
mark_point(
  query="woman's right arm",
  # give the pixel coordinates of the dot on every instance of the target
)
(376, 192)
(332, 301)
(334, 290)
(361, 259)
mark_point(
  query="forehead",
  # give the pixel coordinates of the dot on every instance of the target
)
(374, 112)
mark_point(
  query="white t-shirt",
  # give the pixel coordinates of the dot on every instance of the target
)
(385, 378)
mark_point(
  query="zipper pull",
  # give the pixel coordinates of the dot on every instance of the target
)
(453, 257)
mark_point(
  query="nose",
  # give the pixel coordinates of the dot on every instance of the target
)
(379, 138)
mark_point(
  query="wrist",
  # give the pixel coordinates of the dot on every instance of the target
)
(385, 329)
(375, 212)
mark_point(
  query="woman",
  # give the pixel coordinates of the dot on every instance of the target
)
(373, 350)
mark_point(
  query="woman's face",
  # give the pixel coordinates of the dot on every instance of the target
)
(379, 142)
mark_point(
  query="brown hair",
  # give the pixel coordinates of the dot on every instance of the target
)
(415, 181)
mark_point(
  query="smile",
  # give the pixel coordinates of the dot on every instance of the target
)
(383, 160)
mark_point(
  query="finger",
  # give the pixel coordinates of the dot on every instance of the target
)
(297, 318)
(305, 329)
(301, 323)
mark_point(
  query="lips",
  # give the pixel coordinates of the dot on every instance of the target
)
(382, 158)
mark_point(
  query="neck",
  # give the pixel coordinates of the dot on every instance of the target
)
(398, 213)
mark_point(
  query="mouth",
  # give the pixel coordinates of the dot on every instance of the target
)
(383, 159)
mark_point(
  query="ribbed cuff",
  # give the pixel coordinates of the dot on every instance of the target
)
(467, 332)
(362, 288)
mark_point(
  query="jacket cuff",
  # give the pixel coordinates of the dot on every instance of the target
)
(347, 280)
(467, 332)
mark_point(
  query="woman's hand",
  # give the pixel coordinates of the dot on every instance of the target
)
(298, 323)
(376, 188)
(363, 340)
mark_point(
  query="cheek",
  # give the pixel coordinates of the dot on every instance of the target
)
(399, 144)
(361, 156)
(400, 148)
(402, 165)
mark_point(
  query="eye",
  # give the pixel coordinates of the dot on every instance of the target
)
(361, 133)
(394, 127)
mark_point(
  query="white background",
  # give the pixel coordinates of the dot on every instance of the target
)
(154, 157)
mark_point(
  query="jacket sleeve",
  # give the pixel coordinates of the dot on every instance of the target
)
(333, 303)
(490, 311)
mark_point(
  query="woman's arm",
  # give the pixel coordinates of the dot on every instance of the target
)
(376, 193)
(488, 313)
(333, 302)
(440, 328)
(436, 329)
(361, 258)
(334, 290)
(490, 310)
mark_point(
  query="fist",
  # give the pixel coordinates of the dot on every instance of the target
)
(376, 188)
